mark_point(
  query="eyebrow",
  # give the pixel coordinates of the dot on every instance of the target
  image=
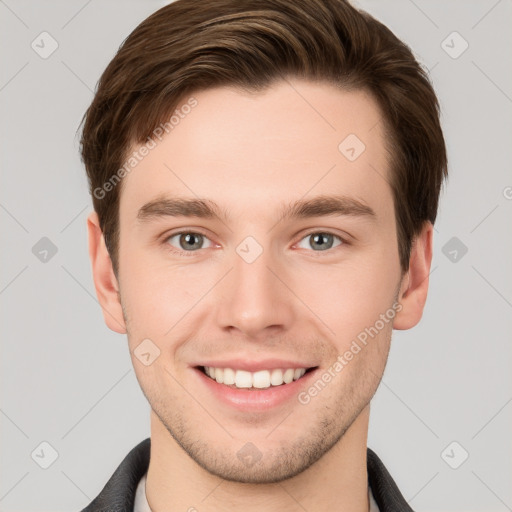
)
(323, 205)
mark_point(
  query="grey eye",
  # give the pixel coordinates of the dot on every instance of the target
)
(321, 241)
(188, 241)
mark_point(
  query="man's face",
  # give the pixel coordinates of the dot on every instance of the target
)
(255, 287)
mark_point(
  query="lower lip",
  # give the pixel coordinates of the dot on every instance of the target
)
(256, 399)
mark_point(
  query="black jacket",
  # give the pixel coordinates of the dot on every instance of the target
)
(118, 495)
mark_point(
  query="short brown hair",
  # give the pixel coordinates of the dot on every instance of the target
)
(192, 45)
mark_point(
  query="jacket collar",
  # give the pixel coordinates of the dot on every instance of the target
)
(118, 495)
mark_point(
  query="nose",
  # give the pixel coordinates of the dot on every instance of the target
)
(255, 299)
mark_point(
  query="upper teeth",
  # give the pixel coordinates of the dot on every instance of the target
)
(260, 379)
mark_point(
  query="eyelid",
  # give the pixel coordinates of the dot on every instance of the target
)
(327, 252)
(182, 231)
(345, 238)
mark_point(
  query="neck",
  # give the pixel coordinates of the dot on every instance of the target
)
(338, 481)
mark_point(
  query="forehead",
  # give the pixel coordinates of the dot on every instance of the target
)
(258, 151)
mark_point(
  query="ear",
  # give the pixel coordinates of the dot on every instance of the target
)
(414, 286)
(105, 281)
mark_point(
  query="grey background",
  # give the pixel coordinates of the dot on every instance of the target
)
(68, 380)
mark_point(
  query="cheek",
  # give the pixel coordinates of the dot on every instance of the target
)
(364, 355)
(351, 297)
(163, 304)
(159, 295)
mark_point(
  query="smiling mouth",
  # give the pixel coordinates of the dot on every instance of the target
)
(263, 379)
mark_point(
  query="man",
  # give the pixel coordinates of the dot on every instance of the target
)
(265, 177)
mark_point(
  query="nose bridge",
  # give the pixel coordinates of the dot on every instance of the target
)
(254, 299)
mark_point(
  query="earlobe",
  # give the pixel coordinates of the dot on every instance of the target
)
(414, 287)
(105, 281)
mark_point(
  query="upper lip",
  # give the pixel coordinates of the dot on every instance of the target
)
(254, 366)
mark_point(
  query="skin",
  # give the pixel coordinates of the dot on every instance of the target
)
(251, 153)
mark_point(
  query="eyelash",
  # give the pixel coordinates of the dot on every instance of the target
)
(180, 252)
